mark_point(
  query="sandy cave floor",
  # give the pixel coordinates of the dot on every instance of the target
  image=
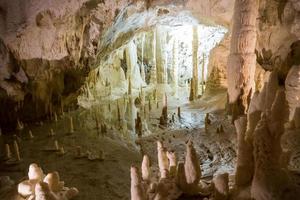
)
(110, 179)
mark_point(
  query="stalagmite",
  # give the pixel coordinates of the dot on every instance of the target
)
(202, 75)
(172, 163)
(292, 85)
(194, 92)
(192, 165)
(71, 125)
(161, 67)
(8, 154)
(180, 177)
(164, 115)
(146, 168)
(20, 125)
(56, 146)
(43, 192)
(78, 152)
(30, 134)
(244, 164)
(242, 59)
(54, 182)
(153, 73)
(52, 133)
(207, 119)
(269, 180)
(163, 162)
(143, 75)
(51, 189)
(221, 188)
(137, 190)
(175, 68)
(138, 125)
(129, 86)
(35, 172)
(17, 151)
(55, 117)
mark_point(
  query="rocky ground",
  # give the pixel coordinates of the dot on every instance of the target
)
(110, 178)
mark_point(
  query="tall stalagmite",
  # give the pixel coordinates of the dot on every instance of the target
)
(160, 55)
(242, 58)
(195, 61)
(175, 67)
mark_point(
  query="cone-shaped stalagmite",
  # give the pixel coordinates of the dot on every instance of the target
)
(17, 151)
(192, 165)
(221, 188)
(163, 162)
(146, 168)
(137, 190)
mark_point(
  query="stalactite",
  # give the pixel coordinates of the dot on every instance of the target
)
(195, 62)
(242, 58)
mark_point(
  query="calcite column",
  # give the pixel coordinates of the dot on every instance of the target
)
(143, 75)
(195, 62)
(242, 58)
(153, 75)
(160, 55)
(175, 67)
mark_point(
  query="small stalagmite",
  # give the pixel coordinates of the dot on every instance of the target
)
(163, 162)
(164, 114)
(191, 97)
(54, 182)
(172, 163)
(146, 168)
(180, 176)
(8, 154)
(30, 134)
(137, 190)
(56, 146)
(61, 151)
(17, 151)
(179, 112)
(43, 192)
(78, 152)
(35, 172)
(71, 125)
(52, 133)
(138, 125)
(207, 119)
(55, 117)
(221, 188)
(20, 125)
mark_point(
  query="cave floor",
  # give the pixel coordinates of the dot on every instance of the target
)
(110, 178)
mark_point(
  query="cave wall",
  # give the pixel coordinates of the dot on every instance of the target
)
(47, 49)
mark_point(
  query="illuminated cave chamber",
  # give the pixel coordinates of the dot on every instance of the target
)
(167, 59)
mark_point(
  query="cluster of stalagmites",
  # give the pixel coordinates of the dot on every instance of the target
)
(176, 178)
(261, 161)
(41, 187)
